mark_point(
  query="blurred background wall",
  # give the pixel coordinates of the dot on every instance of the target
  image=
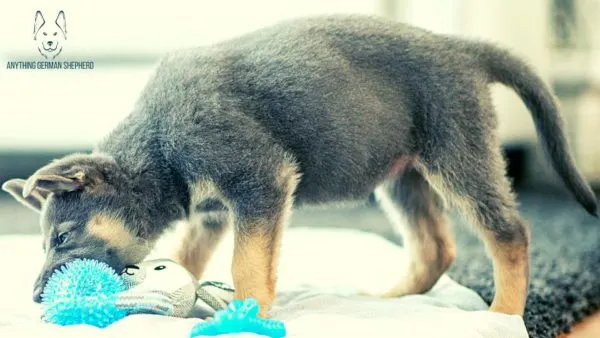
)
(46, 113)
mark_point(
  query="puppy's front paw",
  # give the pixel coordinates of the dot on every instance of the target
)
(509, 309)
(264, 300)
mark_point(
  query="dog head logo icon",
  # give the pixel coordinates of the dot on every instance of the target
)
(50, 36)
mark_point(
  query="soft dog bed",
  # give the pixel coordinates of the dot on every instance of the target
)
(320, 270)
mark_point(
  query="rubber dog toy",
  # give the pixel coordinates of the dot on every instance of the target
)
(240, 316)
(90, 292)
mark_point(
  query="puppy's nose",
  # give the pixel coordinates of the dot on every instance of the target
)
(37, 294)
(38, 287)
(50, 43)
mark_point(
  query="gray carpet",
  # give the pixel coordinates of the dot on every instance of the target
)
(565, 272)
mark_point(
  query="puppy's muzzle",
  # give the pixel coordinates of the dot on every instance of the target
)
(40, 283)
(37, 294)
(38, 287)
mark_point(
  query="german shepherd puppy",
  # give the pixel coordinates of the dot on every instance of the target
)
(307, 111)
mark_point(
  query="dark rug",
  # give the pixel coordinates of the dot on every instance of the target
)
(565, 271)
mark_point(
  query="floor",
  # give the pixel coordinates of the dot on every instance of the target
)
(15, 218)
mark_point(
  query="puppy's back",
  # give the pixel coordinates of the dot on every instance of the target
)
(339, 92)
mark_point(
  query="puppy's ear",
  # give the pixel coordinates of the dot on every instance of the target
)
(61, 22)
(71, 173)
(38, 23)
(34, 200)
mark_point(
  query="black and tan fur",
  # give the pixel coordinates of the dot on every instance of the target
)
(308, 111)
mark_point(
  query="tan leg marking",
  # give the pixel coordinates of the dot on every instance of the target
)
(511, 276)
(431, 252)
(256, 254)
(416, 210)
(254, 267)
(510, 257)
(205, 229)
(197, 247)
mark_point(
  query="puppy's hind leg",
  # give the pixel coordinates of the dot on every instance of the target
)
(482, 192)
(411, 204)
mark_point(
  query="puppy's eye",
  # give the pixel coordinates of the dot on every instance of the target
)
(45, 33)
(160, 267)
(54, 33)
(62, 238)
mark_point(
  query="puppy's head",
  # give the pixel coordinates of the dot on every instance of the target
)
(50, 36)
(87, 211)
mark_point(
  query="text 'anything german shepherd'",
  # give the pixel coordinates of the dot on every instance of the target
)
(308, 111)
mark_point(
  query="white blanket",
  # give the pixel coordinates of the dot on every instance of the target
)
(319, 274)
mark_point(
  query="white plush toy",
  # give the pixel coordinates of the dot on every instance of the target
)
(188, 297)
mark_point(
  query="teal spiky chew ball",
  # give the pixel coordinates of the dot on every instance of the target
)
(83, 291)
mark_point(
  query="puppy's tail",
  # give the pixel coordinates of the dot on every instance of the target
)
(504, 68)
